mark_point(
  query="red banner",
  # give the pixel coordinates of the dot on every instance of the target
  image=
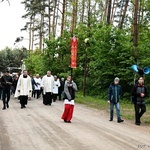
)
(74, 45)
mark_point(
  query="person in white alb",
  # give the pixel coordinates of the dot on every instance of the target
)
(37, 87)
(55, 88)
(23, 89)
(47, 86)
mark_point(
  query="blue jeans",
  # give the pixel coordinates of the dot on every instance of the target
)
(112, 109)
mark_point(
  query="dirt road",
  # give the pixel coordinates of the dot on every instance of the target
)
(39, 127)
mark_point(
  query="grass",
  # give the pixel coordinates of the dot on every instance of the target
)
(127, 109)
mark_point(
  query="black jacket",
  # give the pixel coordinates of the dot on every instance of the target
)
(136, 93)
(6, 81)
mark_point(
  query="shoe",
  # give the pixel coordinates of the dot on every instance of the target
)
(120, 120)
(68, 121)
(24, 106)
(21, 107)
(111, 119)
(3, 108)
(7, 105)
(137, 123)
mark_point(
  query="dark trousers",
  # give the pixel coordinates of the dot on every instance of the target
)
(37, 92)
(140, 109)
(6, 96)
(48, 98)
(59, 93)
(23, 100)
(1, 91)
(55, 97)
(33, 93)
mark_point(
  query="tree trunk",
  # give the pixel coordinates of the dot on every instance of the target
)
(109, 11)
(41, 31)
(32, 43)
(114, 7)
(83, 11)
(49, 19)
(74, 16)
(30, 32)
(105, 12)
(54, 18)
(89, 14)
(63, 17)
(135, 34)
(124, 14)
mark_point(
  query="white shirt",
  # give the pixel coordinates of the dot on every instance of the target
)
(47, 83)
(38, 82)
(56, 86)
(24, 86)
(66, 101)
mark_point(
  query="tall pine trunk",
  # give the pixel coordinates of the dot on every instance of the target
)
(109, 11)
(124, 14)
(54, 17)
(63, 17)
(135, 32)
(74, 16)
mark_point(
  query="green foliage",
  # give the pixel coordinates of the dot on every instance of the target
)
(11, 58)
(109, 54)
(105, 62)
(95, 102)
(34, 63)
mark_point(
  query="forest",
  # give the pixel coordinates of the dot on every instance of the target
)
(112, 36)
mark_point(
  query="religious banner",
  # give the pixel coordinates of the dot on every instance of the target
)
(74, 44)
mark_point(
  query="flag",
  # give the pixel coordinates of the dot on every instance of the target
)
(74, 44)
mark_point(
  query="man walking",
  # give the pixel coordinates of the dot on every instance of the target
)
(1, 88)
(114, 93)
(47, 85)
(139, 92)
(6, 81)
(24, 89)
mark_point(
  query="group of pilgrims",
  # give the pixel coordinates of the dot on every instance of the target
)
(49, 87)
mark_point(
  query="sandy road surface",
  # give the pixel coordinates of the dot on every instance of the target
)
(39, 127)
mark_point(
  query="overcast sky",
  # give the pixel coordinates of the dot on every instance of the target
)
(11, 23)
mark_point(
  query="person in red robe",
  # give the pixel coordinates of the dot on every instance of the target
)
(70, 88)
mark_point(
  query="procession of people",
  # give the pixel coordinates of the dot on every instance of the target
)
(51, 88)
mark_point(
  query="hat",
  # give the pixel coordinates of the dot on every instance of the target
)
(116, 79)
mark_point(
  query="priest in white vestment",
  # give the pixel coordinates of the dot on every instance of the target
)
(47, 85)
(23, 89)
